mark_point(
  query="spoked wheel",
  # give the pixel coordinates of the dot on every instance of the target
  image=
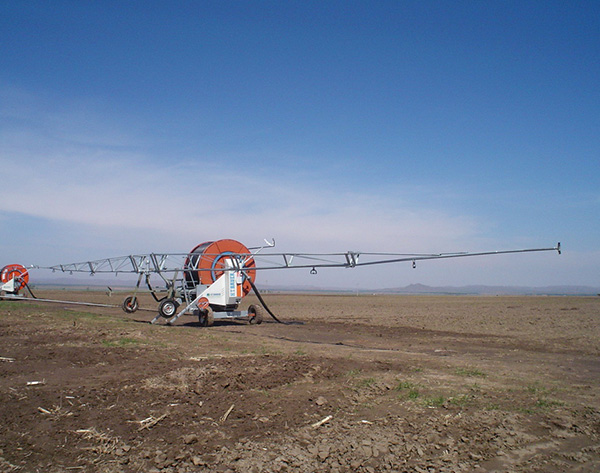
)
(168, 308)
(255, 314)
(130, 304)
(206, 317)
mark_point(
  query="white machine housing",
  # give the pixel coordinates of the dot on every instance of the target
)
(9, 286)
(226, 291)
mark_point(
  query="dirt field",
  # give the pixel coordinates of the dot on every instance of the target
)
(365, 384)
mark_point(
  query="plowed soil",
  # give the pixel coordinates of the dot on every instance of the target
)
(355, 383)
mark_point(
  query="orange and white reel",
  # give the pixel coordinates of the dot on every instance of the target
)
(13, 278)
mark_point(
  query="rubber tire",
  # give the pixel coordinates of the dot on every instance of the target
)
(206, 317)
(130, 305)
(168, 308)
(255, 314)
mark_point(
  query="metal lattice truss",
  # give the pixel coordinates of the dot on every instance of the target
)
(183, 262)
(212, 279)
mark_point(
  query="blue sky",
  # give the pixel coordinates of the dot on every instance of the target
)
(330, 126)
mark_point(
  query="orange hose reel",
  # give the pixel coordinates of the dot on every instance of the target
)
(206, 262)
(17, 272)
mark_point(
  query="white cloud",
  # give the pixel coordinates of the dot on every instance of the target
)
(128, 192)
(129, 205)
(95, 185)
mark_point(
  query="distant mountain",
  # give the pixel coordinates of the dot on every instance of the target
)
(458, 290)
(500, 290)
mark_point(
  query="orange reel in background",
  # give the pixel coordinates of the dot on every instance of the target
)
(18, 272)
(209, 259)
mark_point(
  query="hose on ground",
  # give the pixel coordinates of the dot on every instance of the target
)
(263, 303)
(30, 291)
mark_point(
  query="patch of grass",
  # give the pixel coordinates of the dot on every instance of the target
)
(300, 352)
(121, 342)
(541, 404)
(78, 315)
(367, 382)
(12, 305)
(470, 372)
(461, 400)
(537, 388)
(261, 350)
(264, 350)
(353, 373)
(435, 401)
(544, 403)
(404, 385)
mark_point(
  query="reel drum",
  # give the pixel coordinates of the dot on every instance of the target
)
(17, 272)
(206, 262)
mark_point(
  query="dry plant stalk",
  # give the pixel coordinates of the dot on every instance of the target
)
(107, 443)
(322, 421)
(56, 412)
(226, 415)
(150, 422)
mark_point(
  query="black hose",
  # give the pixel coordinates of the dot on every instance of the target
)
(30, 291)
(263, 303)
(152, 290)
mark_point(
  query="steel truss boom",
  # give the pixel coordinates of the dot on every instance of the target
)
(211, 280)
(181, 262)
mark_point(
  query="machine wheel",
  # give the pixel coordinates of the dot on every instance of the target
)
(206, 317)
(168, 308)
(130, 304)
(255, 314)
